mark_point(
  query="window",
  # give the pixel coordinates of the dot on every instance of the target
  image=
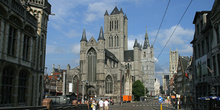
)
(217, 34)
(214, 65)
(26, 46)
(92, 59)
(203, 48)
(108, 85)
(110, 26)
(115, 25)
(109, 41)
(207, 44)
(7, 85)
(117, 41)
(12, 41)
(75, 84)
(22, 87)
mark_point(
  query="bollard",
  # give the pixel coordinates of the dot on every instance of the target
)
(48, 103)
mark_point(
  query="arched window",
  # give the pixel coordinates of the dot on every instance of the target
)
(12, 41)
(109, 41)
(108, 85)
(110, 26)
(7, 85)
(115, 41)
(75, 84)
(92, 60)
(22, 87)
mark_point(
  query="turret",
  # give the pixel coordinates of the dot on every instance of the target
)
(84, 36)
(146, 41)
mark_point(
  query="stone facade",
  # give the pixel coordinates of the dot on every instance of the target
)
(23, 33)
(106, 65)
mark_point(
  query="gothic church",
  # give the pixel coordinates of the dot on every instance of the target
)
(107, 65)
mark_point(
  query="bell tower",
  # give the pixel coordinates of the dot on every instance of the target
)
(116, 34)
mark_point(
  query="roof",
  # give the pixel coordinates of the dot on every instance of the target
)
(50, 77)
(128, 55)
(115, 11)
(110, 55)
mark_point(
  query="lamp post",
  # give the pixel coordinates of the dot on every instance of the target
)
(120, 87)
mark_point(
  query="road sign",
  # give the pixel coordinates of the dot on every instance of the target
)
(160, 99)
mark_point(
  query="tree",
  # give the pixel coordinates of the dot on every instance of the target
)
(161, 90)
(138, 89)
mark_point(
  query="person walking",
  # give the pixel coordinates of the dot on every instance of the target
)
(101, 104)
(106, 104)
(93, 104)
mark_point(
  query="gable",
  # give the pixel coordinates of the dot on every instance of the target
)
(92, 41)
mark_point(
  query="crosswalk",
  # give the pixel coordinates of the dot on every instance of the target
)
(149, 104)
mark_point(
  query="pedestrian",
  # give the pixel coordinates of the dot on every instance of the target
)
(101, 104)
(106, 104)
(97, 105)
(93, 106)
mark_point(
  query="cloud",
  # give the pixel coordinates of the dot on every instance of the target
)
(180, 38)
(76, 48)
(72, 33)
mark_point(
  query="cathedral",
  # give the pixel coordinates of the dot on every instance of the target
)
(107, 68)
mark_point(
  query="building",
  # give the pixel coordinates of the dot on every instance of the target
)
(173, 63)
(157, 87)
(107, 68)
(166, 84)
(23, 33)
(53, 84)
(206, 55)
(148, 67)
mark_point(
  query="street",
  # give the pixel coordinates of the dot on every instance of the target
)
(151, 104)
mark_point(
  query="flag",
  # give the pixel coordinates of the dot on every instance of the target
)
(186, 75)
(210, 70)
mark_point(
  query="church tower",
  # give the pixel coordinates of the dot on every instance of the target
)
(116, 34)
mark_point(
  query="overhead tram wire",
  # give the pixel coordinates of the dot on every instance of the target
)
(175, 29)
(161, 22)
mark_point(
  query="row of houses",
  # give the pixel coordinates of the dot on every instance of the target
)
(196, 79)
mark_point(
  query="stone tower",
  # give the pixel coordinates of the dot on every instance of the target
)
(148, 67)
(173, 63)
(116, 34)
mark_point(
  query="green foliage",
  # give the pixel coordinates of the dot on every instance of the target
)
(138, 89)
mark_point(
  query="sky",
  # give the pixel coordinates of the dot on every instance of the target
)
(72, 16)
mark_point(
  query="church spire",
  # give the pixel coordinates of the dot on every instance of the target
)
(135, 43)
(146, 41)
(101, 35)
(84, 35)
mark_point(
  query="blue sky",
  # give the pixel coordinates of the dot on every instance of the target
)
(72, 16)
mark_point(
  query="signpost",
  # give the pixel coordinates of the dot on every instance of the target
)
(160, 101)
